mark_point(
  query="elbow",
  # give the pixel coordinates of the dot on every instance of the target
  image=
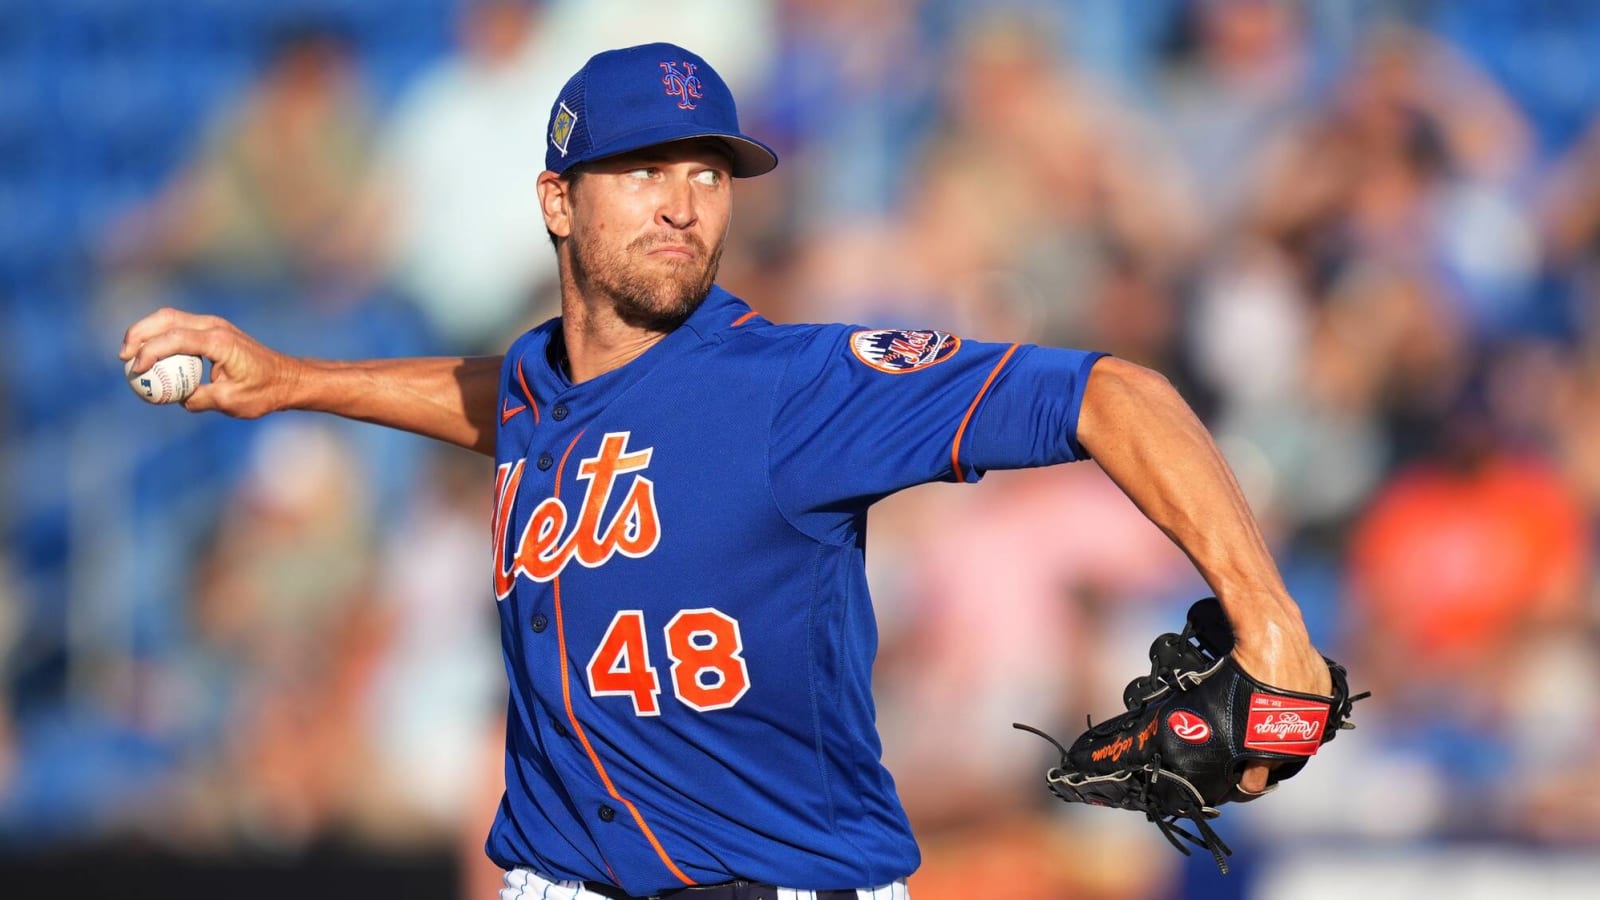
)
(1116, 384)
(1127, 379)
(1121, 398)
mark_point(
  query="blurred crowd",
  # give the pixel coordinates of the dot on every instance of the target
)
(1362, 238)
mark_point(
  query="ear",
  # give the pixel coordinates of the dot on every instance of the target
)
(555, 201)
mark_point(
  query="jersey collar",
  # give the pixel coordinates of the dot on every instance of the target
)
(715, 315)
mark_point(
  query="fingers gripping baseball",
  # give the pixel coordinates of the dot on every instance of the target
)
(248, 379)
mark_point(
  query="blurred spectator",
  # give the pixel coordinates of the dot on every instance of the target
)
(272, 193)
(439, 686)
(847, 106)
(1090, 180)
(1015, 249)
(1549, 708)
(1238, 74)
(737, 37)
(287, 642)
(461, 162)
(1414, 163)
(1568, 210)
(1574, 424)
(1470, 577)
(1458, 555)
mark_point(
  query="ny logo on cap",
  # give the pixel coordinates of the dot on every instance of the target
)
(683, 85)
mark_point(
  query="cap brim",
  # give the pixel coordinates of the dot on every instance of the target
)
(750, 156)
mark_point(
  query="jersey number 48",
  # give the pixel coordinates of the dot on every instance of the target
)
(704, 646)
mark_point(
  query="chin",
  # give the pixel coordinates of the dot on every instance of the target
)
(664, 309)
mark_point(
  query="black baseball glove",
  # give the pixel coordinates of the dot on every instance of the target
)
(1190, 727)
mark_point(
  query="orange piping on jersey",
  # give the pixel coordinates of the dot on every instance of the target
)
(744, 318)
(955, 448)
(572, 718)
(529, 394)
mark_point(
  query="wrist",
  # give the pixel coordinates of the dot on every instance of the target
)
(1265, 621)
(295, 384)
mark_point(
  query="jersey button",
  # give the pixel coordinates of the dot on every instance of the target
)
(560, 412)
(607, 814)
(558, 728)
(539, 622)
(545, 461)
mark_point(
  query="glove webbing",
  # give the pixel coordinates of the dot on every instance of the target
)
(1140, 788)
(1193, 811)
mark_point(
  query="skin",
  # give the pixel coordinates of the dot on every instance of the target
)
(639, 237)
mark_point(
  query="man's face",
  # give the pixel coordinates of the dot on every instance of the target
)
(647, 229)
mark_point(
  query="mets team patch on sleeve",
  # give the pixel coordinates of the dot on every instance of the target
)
(897, 352)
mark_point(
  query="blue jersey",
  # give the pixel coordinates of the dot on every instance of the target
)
(679, 556)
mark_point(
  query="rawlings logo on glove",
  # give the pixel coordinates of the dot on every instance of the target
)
(1190, 727)
(1274, 726)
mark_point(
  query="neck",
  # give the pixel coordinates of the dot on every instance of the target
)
(597, 339)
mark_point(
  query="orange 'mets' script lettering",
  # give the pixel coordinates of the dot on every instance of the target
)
(542, 552)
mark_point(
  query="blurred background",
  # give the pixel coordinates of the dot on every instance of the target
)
(1363, 238)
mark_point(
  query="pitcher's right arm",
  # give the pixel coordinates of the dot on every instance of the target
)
(450, 399)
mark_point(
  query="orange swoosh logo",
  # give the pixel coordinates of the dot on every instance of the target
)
(507, 412)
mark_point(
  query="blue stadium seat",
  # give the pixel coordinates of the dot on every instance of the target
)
(21, 30)
(23, 104)
(82, 29)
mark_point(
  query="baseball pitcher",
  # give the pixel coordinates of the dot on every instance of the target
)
(680, 502)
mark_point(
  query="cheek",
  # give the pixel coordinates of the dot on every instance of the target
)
(623, 218)
(721, 215)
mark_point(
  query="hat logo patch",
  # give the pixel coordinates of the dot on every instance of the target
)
(897, 351)
(561, 130)
(682, 84)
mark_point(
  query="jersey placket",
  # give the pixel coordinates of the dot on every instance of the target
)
(560, 448)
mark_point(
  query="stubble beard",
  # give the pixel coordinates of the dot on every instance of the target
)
(641, 298)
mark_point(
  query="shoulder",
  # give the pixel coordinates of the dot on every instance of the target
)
(787, 346)
(727, 322)
(534, 339)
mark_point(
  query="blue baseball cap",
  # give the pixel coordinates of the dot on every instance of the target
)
(624, 100)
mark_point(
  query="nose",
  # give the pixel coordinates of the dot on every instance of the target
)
(677, 205)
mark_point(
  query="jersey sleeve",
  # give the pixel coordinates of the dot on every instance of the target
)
(862, 413)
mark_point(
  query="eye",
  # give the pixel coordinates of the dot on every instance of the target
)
(643, 173)
(708, 177)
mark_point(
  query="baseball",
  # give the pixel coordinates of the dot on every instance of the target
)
(171, 380)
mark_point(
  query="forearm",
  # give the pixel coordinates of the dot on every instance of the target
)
(1151, 444)
(450, 399)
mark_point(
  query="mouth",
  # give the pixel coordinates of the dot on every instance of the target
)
(672, 251)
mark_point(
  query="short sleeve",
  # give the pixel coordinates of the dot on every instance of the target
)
(862, 413)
